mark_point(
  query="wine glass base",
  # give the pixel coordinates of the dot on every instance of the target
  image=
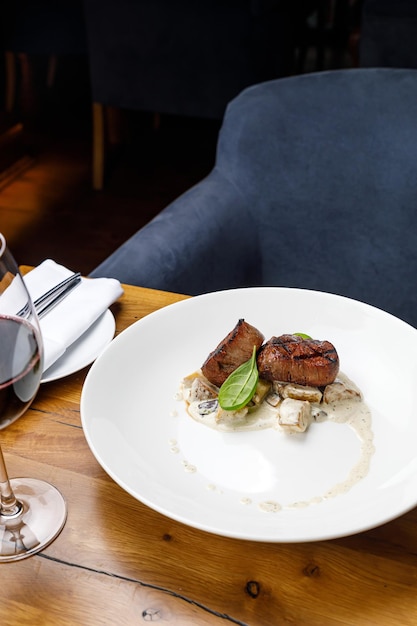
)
(42, 518)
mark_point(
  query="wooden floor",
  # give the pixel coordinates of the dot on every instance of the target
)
(47, 206)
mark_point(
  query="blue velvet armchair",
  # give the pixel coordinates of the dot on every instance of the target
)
(314, 186)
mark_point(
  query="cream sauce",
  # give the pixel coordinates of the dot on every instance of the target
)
(353, 413)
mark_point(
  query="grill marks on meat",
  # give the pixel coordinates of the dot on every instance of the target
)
(290, 358)
(235, 349)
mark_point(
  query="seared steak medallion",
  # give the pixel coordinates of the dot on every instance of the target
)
(235, 349)
(290, 358)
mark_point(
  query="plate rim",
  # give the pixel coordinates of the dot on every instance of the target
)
(180, 518)
(106, 318)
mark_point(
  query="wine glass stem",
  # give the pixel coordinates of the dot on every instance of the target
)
(9, 506)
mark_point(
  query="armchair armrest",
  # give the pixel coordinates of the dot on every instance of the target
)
(205, 240)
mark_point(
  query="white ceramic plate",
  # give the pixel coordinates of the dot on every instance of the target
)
(219, 482)
(83, 351)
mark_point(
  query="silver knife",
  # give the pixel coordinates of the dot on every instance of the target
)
(47, 301)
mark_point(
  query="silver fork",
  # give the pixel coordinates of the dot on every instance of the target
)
(52, 297)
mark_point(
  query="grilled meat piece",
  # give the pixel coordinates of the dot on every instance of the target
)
(234, 350)
(290, 358)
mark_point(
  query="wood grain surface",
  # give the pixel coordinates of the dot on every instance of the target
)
(119, 562)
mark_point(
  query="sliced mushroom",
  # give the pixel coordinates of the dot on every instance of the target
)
(273, 399)
(202, 390)
(207, 406)
(298, 392)
(340, 391)
(262, 390)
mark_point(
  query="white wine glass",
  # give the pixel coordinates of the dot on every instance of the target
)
(32, 512)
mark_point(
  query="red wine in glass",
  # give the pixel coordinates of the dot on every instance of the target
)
(32, 512)
(20, 367)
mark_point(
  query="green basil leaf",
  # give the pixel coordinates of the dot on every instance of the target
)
(238, 389)
(302, 335)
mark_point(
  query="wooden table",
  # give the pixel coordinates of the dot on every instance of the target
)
(119, 562)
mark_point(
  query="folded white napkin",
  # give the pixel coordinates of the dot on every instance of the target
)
(67, 321)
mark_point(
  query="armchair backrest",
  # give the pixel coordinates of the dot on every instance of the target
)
(327, 163)
(315, 186)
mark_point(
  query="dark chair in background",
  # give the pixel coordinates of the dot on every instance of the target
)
(187, 57)
(389, 33)
(326, 29)
(315, 186)
(45, 28)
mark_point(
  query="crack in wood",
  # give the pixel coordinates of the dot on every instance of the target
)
(164, 590)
